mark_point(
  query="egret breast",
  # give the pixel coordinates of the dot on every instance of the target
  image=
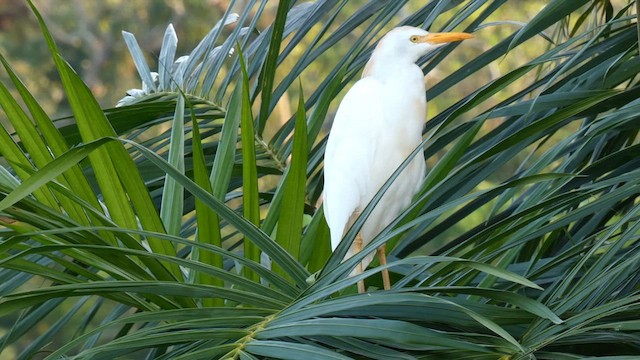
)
(396, 139)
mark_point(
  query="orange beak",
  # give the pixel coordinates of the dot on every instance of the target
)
(441, 38)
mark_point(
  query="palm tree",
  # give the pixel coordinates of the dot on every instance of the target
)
(147, 230)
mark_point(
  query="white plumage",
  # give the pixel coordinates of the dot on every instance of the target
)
(378, 124)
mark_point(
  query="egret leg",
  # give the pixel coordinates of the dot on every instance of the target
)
(382, 255)
(357, 244)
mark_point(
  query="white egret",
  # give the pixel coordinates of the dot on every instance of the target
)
(378, 124)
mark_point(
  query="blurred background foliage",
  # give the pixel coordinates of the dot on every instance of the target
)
(89, 37)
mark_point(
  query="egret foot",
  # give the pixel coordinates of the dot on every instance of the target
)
(357, 244)
(382, 256)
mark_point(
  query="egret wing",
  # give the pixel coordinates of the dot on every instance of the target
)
(349, 154)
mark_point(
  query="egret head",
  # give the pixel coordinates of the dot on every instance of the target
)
(411, 43)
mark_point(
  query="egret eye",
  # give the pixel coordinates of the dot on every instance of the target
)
(414, 39)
